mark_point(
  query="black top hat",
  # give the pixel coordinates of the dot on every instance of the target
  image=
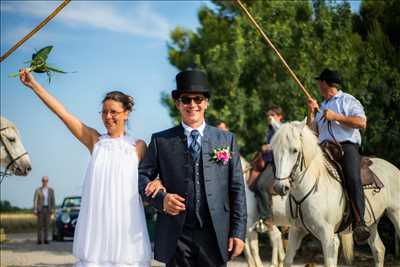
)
(329, 76)
(191, 81)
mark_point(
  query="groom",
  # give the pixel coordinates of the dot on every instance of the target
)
(202, 222)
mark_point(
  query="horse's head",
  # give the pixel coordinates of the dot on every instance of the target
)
(294, 146)
(13, 156)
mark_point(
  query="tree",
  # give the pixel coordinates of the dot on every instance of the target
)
(379, 76)
(5, 206)
(246, 76)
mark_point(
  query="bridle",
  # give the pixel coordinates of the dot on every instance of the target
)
(298, 172)
(5, 173)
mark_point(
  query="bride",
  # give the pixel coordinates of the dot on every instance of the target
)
(111, 229)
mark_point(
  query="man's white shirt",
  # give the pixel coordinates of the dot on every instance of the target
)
(189, 129)
(45, 191)
(344, 104)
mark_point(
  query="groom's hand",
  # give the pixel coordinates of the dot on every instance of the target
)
(173, 204)
(235, 246)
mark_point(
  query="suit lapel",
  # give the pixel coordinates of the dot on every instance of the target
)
(180, 140)
(206, 146)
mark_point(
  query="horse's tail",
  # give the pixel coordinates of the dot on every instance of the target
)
(346, 239)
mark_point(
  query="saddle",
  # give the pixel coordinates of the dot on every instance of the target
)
(333, 153)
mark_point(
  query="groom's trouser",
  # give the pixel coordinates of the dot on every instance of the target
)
(197, 248)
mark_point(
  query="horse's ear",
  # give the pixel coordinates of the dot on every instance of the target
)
(300, 124)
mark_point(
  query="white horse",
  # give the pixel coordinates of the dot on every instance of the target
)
(280, 218)
(251, 249)
(13, 157)
(300, 165)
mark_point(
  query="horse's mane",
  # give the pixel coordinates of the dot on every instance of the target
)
(7, 123)
(299, 136)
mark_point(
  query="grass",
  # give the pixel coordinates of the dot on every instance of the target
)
(18, 222)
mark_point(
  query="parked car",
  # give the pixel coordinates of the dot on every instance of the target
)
(66, 218)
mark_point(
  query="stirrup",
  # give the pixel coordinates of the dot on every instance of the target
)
(361, 234)
(260, 227)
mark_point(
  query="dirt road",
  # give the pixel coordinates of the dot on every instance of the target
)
(22, 250)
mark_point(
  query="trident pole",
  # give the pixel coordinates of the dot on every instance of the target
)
(265, 37)
(37, 28)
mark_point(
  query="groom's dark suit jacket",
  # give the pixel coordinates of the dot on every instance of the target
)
(169, 158)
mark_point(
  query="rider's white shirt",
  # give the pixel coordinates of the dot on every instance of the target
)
(346, 105)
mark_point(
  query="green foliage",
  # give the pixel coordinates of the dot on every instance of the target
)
(379, 76)
(39, 64)
(5, 206)
(246, 77)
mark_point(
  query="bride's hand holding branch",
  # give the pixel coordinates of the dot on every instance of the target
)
(86, 135)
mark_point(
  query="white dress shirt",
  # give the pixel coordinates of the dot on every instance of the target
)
(189, 129)
(45, 192)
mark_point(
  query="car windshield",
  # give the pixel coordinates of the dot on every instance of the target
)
(71, 202)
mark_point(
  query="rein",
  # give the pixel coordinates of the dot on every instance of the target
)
(299, 161)
(298, 212)
(300, 176)
(299, 167)
(5, 173)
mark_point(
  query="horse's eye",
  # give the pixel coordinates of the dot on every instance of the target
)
(294, 150)
(11, 139)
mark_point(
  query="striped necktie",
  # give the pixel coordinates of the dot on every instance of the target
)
(195, 147)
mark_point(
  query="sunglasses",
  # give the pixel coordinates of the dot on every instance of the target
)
(186, 100)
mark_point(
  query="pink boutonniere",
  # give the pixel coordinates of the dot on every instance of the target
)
(221, 155)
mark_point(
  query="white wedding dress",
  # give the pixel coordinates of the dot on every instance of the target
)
(111, 230)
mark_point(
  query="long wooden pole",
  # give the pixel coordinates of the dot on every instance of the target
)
(260, 30)
(37, 28)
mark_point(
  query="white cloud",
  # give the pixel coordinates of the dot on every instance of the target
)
(138, 20)
(43, 38)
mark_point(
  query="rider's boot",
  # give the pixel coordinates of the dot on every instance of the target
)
(361, 233)
(264, 225)
(260, 227)
(360, 230)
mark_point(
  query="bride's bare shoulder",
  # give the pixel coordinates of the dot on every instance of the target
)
(141, 148)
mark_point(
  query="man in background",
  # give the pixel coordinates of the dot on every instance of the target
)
(43, 205)
(223, 126)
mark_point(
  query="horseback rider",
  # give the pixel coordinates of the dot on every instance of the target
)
(262, 173)
(339, 119)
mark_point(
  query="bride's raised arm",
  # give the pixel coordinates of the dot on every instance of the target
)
(86, 135)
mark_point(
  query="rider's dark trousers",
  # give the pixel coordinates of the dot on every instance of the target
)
(262, 196)
(351, 170)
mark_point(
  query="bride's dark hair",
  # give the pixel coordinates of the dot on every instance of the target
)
(126, 100)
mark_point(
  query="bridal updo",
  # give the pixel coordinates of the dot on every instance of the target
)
(127, 101)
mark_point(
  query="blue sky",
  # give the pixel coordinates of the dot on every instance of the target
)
(109, 46)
